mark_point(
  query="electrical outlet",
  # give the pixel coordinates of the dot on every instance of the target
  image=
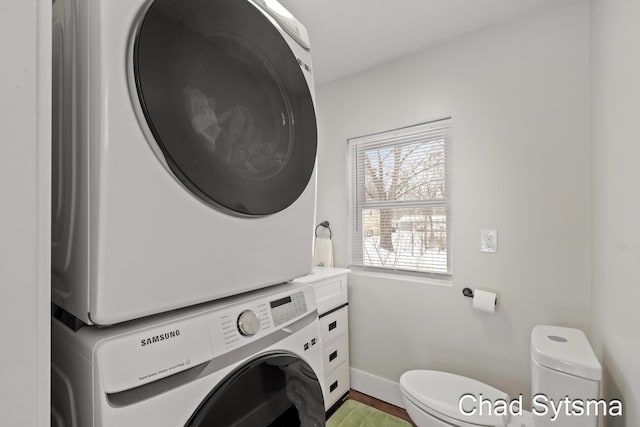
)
(488, 241)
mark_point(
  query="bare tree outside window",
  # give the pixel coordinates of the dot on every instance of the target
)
(400, 200)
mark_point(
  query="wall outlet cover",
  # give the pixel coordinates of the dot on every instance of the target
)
(489, 241)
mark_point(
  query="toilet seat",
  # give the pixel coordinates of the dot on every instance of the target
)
(438, 393)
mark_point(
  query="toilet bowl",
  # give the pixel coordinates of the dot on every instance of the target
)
(432, 399)
(562, 364)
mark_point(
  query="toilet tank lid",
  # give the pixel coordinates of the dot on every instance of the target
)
(566, 350)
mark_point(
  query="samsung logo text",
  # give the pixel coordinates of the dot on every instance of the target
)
(160, 337)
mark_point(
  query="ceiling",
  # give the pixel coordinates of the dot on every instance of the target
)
(348, 36)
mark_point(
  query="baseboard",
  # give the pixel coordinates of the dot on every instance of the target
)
(380, 388)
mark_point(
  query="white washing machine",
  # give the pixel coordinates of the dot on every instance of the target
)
(253, 360)
(184, 147)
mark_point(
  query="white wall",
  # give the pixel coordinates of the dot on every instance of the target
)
(24, 212)
(518, 94)
(615, 118)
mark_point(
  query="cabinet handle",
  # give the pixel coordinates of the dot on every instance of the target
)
(333, 386)
(333, 355)
(333, 325)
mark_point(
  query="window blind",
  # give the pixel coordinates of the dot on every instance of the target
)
(399, 200)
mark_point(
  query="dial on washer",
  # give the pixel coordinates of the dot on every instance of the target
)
(248, 323)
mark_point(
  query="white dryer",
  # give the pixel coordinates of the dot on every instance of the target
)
(183, 153)
(253, 360)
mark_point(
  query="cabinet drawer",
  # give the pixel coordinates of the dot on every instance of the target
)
(333, 325)
(335, 353)
(331, 293)
(336, 385)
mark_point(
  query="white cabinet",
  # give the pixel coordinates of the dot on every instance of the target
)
(330, 286)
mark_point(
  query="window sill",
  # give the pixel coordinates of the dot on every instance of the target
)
(448, 283)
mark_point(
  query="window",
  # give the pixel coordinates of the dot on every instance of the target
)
(399, 200)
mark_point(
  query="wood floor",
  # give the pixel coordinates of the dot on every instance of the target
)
(380, 405)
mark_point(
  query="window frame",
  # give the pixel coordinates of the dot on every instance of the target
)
(357, 204)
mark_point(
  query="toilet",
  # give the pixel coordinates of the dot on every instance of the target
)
(563, 366)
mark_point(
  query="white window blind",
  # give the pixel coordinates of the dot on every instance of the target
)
(399, 200)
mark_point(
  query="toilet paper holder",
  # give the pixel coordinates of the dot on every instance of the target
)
(468, 292)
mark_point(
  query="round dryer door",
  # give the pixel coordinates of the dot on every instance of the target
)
(278, 389)
(227, 103)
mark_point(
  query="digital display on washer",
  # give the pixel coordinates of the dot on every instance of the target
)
(288, 308)
(281, 301)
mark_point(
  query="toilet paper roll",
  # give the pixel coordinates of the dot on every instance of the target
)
(484, 301)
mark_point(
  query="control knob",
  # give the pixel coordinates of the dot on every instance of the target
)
(248, 323)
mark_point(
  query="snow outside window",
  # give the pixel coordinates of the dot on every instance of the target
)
(399, 200)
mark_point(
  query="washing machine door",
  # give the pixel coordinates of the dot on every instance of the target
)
(226, 102)
(273, 390)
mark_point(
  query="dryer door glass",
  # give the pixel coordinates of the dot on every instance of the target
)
(272, 390)
(226, 102)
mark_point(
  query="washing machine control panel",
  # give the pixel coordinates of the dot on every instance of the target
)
(287, 308)
(181, 341)
(243, 323)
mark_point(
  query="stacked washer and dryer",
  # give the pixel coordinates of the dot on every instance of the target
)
(184, 148)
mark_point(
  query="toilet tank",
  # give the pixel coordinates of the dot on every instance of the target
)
(564, 371)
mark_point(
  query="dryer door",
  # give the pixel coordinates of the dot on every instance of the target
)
(274, 390)
(226, 101)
